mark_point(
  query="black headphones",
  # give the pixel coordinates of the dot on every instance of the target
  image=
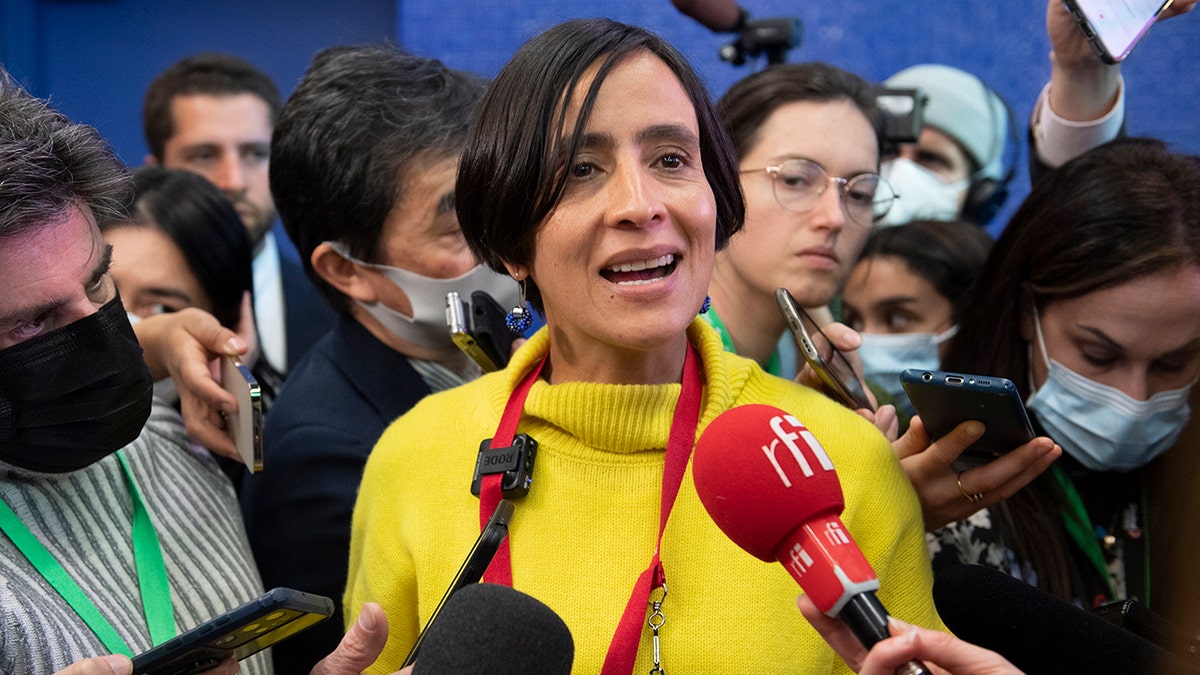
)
(986, 195)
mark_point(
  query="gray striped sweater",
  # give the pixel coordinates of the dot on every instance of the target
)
(85, 520)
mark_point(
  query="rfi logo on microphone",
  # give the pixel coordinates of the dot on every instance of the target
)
(789, 438)
(799, 560)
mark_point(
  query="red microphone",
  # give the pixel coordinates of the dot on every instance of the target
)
(771, 488)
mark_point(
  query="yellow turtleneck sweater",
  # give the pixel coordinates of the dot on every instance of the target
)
(587, 528)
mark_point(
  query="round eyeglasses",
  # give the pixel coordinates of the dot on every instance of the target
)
(799, 184)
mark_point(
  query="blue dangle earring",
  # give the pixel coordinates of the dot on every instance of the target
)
(707, 305)
(520, 318)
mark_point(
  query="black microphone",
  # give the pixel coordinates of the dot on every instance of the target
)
(719, 16)
(1036, 631)
(487, 628)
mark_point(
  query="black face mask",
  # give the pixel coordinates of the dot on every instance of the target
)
(74, 395)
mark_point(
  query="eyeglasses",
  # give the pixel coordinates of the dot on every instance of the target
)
(799, 184)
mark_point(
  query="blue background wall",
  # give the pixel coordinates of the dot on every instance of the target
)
(94, 58)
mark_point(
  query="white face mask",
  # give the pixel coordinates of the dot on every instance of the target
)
(923, 195)
(886, 355)
(1101, 426)
(427, 328)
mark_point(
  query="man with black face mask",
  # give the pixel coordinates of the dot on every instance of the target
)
(114, 535)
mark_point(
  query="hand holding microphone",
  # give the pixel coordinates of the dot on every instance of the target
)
(944, 653)
(771, 488)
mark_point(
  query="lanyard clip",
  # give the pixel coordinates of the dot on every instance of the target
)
(514, 461)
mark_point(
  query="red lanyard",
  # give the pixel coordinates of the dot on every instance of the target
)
(622, 652)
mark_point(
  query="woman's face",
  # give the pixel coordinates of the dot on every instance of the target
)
(884, 295)
(809, 253)
(151, 272)
(1142, 337)
(625, 259)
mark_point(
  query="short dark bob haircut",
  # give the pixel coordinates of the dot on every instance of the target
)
(509, 179)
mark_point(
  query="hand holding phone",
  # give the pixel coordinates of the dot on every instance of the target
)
(239, 633)
(1113, 27)
(944, 400)
(479, 329)
(244, 426)
(835, 371)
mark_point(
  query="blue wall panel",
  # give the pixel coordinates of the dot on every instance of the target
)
(94, 58)
(1003, 42)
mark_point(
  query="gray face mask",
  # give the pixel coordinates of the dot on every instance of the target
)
(427, 328)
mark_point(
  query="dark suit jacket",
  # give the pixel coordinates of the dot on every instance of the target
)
(335, 405)
(306, 314)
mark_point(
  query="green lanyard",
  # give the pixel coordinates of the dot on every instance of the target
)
(774, 366)
(1079, 526)
(147, 555)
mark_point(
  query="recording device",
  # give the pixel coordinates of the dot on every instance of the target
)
(903, 115)
(771, 488)
(478, 328)
(276, 615)
(244, 426)
(839, 376)
(944, 400)
(1037, 632)
(1113, 27)
(478, 559)
(487, 628)
(770, 37)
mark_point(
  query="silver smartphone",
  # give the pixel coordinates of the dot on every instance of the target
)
(1113, 27)
(244, 426)
(838, 374)
(478, 328)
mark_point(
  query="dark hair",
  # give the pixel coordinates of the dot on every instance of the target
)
(209, 73)
(1119, 212)
(509, 179)
(49, 165)
(752, 99)
(360, 121)
(947, 254)
(1122, 211)
(206, 228)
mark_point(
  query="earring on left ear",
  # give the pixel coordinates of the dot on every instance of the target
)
(707, 305)
(520, 318)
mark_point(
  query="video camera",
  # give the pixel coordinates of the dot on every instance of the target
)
(773, 37)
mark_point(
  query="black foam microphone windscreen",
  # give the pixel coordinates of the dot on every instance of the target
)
(493, 630)
(1037, 632)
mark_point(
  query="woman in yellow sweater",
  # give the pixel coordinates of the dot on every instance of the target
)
(608, 204)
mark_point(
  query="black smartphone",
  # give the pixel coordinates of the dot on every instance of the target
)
(276, 615)
(1113, 27)
(473, 567)
(479, 329)
(830, 365)
(244, 426)
(944, 400)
